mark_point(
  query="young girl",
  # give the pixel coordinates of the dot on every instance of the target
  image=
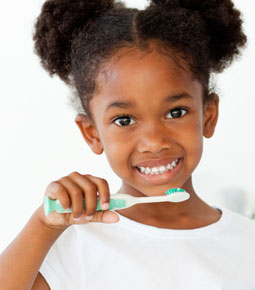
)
(143, 80)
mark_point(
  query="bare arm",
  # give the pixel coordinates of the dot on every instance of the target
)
(21, 260)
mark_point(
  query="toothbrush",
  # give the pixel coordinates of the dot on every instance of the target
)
(121, 200)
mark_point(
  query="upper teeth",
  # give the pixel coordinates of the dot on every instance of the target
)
(159, 169)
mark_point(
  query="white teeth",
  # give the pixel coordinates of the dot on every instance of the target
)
(174, 163)
(158, 170)
(169, 166)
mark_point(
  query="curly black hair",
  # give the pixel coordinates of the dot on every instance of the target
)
(74, 38)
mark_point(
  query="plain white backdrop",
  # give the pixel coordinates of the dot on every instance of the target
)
(40, 141)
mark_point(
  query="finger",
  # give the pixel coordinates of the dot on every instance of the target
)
(105, 217)
(56, 190)
(75, 196)
(89, 191)
(83, 219)
(102, 189)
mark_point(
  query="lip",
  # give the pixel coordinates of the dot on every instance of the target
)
(157, 162)
(161, 178)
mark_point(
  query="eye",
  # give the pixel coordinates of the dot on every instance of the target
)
(123, 121)
(177, 113)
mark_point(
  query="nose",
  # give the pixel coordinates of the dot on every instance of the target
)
(154, 139)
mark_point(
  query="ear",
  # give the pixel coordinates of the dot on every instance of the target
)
(89, 133)
(211, 112)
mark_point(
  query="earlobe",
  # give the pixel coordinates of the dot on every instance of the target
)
(211, 113)
(89, 133)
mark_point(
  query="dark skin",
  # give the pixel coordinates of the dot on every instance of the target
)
(151, 132)
(154, 129)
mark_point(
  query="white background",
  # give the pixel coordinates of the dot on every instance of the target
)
(40, 141)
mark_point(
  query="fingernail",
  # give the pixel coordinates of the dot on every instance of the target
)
(89, 217)
(77, 219)
(105, 206)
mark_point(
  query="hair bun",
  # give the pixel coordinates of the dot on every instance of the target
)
(55, 26)
(224, 26)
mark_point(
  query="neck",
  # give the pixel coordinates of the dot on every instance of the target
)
(191, 213)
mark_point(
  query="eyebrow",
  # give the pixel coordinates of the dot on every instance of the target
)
(128, 105)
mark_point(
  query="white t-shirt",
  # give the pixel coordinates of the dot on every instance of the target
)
(132, 256)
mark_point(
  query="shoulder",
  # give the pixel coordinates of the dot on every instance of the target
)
(240, 224)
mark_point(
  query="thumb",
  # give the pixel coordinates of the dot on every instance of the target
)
(105, 216)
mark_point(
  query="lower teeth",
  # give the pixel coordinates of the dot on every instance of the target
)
(156, 173)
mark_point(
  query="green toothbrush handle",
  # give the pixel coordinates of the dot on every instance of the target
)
(54, 205)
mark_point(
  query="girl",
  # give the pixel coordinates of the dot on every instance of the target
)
(143, 80)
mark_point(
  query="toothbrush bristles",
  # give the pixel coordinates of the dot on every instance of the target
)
(173, 190)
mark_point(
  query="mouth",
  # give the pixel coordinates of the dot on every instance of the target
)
(160, 174)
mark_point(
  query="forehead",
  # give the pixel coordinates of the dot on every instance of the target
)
(133, 73)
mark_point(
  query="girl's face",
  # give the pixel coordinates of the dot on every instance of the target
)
(149, 113)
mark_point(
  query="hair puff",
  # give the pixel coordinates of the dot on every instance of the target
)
(224, 26)
(55, 27)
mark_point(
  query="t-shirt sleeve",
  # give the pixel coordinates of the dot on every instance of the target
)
(47, 271)
(57, 265)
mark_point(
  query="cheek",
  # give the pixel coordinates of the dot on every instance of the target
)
(193, 142)
(117, 152)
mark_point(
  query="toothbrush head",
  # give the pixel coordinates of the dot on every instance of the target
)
(174, 190)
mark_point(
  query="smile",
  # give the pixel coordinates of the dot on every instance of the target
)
(161, 174)
(160, 169)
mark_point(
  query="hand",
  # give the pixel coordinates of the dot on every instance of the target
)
(70, 190)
